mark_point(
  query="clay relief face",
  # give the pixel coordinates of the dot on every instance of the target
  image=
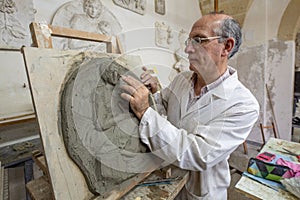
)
(112, 74)
(92, 8)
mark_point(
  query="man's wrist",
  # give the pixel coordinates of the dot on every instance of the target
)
(141, 114)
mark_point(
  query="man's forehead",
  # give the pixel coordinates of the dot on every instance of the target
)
(203, 27)
(206, 24)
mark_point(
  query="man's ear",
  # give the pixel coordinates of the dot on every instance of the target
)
(228, 46)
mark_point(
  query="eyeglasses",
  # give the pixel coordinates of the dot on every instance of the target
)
(198, 40)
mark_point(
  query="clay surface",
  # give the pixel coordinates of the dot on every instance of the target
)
(99, 130)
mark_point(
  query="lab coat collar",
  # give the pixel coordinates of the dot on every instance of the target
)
(223, 91)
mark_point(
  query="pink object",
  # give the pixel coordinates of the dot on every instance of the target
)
(295, 168)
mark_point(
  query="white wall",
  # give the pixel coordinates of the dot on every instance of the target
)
(138, 31)
(262, 21)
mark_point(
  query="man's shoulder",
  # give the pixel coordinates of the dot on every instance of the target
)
(184, 75)
(243, 94)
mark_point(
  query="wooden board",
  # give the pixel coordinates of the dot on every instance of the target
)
(39, 189)
(66, 179)
(16, 183)
(256, 190)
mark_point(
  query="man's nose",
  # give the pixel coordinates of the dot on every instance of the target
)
(189, 48)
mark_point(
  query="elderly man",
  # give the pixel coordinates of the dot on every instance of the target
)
(209, 111)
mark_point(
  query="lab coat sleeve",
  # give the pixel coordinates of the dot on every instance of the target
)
(207, 145)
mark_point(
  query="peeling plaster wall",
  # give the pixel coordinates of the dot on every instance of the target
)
(269, 64)
(280, 79)
(275, 59)
(249, 63)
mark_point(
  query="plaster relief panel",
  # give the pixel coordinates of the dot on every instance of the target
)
(85, 15)
(15, 17)
(163, 35)
(182, 62)
(160, 7)
(137, 6)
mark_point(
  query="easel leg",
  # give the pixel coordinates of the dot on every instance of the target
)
(245, 148)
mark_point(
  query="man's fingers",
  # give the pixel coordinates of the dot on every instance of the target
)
(131, 90)
(127, 97)
(144, 73)
(132, 81)
(144, 68)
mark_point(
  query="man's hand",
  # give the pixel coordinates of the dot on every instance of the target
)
(137, 95)
(150, 81)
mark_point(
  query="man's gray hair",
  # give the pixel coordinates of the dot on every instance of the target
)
(230, 28)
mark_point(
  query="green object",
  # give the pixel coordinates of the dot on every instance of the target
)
(266, 170)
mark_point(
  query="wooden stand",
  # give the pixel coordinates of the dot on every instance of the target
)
(267, 127)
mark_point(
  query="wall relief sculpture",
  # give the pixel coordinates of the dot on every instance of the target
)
(182, 63)
(15, 17)
(98, 125)
(160, 7)
(138, 6)
(163, 35)
(85, 15)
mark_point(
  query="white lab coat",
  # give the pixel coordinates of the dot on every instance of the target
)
(201, 138)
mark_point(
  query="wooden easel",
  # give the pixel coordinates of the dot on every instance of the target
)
(42, 36)
(65, 180)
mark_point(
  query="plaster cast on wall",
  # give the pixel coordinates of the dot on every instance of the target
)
(182, 63)
(137, 6)
(160, 7)
(15, 17)
(163, 35)
(85, 15)
(97, 125)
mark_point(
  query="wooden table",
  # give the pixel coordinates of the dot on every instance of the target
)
(256, 190)
(40, 189)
